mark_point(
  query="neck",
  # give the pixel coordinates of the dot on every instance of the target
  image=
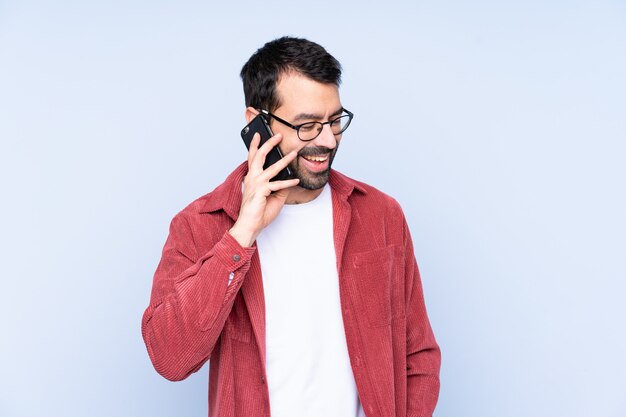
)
(299, 195)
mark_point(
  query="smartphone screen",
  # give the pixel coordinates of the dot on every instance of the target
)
(259, 124)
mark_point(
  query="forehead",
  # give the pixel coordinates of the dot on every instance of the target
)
(300, 94)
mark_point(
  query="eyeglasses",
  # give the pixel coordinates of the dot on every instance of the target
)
(310, 130)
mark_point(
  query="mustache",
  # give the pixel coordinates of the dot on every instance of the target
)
(315, 151)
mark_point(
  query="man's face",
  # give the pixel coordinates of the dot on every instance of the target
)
(304, 100)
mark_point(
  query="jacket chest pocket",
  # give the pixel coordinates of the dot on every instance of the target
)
(375, 279)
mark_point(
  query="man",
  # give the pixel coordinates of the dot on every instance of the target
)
(304, 293)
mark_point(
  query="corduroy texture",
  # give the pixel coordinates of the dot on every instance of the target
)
(195, 315)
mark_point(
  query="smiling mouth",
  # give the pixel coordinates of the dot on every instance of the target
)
(315, 164)
(316, 158)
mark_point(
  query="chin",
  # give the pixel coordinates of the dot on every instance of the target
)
(313, 182)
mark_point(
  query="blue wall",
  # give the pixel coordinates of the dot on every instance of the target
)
(499, 127)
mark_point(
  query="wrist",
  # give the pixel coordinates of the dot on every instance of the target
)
(244, 238)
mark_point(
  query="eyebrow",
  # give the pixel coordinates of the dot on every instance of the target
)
(309, 116)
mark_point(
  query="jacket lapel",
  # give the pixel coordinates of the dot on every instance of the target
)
(341, 223)
(342, 187)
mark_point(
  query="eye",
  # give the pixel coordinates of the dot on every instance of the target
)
(307, 127)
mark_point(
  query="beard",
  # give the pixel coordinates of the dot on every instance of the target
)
(312, 180)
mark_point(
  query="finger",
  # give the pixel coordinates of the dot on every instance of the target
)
(254, 147)
(259, 157)
(271, 142)
(278, 166)
(281, 185)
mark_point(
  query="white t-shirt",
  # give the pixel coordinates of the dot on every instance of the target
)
(308, 367)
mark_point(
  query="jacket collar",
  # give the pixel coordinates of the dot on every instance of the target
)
(227, 196)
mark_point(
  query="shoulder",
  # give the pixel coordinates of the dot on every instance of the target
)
(363, 194)
(200, 205)
(206, 219)
(196, 220)
(376, 219)
(203, 222)
(225, 198)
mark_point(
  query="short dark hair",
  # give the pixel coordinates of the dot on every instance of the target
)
(264, 68)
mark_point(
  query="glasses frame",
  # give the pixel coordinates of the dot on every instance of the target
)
(298, 127)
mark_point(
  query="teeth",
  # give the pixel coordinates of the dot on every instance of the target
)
(316, 158)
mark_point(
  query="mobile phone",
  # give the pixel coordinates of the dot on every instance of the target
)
(260, 124)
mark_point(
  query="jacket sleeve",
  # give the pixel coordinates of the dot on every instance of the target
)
(423, 357)
(192, 295)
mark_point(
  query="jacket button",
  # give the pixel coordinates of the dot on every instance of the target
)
(262, 380)
(236, 258)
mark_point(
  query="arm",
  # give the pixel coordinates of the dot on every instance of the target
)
(423, 357)
(193, 293)
(191, 299)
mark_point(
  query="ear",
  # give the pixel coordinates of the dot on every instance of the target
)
(250, 114)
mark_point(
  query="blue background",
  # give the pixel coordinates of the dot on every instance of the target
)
(499, 126)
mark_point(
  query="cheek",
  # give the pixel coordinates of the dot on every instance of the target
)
(287, 146)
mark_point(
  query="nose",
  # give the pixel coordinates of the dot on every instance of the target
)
(326, 138)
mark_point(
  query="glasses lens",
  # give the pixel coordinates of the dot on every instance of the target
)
(309, 131)
(340, 124)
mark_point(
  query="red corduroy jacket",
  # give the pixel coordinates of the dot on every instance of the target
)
(207, 303)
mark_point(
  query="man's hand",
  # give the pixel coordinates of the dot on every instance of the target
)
(262, 200)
